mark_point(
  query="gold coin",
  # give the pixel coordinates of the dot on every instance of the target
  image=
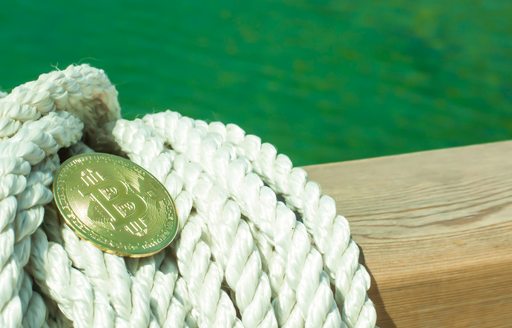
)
(115, 204)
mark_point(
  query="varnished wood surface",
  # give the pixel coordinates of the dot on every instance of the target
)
(435, 230)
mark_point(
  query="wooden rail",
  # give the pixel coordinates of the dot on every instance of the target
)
(435, 230)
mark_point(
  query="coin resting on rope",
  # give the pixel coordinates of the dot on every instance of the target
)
(115, 204)
(259, 244)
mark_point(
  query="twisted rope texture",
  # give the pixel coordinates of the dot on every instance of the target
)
(260, 246)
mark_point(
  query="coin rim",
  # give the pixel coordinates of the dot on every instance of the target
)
(58, 203)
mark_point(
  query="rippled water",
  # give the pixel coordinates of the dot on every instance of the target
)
(323, 80)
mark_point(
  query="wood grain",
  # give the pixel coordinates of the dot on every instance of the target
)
(435, 230)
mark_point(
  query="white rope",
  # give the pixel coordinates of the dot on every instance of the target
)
(296, 267)
(259, 245)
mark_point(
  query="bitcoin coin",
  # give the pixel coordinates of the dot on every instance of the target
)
(115, 204)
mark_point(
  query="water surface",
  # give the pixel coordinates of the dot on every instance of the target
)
(322, 80)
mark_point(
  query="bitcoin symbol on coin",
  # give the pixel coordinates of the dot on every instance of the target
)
(115, 204)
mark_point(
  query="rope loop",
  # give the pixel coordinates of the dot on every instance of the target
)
(259, 246)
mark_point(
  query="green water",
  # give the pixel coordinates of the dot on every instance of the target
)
(322, 80)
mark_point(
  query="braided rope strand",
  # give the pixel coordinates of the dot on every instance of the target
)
(32, 130)
(31, 142)
(145, 147)
(296, 265)
(195, 137)
(243, 257)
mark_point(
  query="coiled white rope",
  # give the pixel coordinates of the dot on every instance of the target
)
(260, 246)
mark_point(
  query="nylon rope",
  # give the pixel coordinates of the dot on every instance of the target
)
(259, 245)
